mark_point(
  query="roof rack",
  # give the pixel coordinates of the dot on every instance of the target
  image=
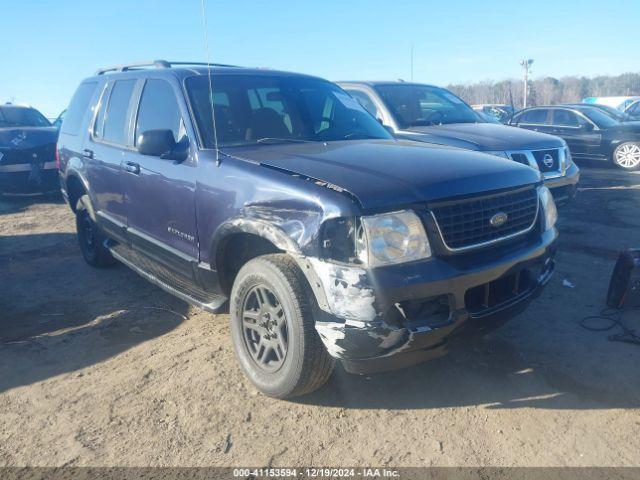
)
(157, 64)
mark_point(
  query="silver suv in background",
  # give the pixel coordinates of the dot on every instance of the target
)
(431, 114)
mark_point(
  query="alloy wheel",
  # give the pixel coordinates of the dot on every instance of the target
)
(264, 327)
(628, 155)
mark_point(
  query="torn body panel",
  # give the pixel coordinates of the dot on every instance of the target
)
(387, 318)
(285, 210)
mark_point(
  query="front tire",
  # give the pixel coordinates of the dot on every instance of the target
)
(273, 329)
(627, 156)
(90, 237)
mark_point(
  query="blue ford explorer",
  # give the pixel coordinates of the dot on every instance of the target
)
(277, 196)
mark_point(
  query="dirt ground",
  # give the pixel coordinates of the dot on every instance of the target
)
(98, 367)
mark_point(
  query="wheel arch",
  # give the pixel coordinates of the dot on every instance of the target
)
(240, 240)
(76, 187)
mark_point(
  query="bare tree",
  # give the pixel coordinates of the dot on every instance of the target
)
(548, 90)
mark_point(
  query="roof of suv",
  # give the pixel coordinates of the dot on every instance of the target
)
(185, 69)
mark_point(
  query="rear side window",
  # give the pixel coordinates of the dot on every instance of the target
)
(159, 109)
(115, 123)
(534, 117)
(77, 108)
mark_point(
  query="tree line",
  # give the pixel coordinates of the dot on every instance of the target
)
(548, 90)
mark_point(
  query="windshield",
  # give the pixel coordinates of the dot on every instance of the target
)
(600, 118)
(420, 105)
(277, 109)
(22, 117)
(614, 112)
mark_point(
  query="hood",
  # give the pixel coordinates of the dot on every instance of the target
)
(20, 138)
(482, 137)
(385, 174)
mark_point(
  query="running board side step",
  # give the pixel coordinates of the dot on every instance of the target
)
(165, 279)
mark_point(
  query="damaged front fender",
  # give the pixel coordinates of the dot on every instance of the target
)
(353, 327)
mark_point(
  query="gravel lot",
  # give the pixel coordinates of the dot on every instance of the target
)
(98, 367)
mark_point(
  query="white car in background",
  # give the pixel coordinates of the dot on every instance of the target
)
(620, 102)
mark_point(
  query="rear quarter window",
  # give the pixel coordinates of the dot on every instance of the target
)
(78, 108)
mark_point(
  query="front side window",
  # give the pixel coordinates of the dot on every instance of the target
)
(423, 105)
(565, 118)
(159, 109)
(365, 101)
(116, 118)
(11, 116)
(254, 109)
(534, 117)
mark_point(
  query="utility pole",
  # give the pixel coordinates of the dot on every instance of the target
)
(526, 64)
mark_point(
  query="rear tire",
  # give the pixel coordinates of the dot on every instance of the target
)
(627, 156)
(90, 237)
(273, 329)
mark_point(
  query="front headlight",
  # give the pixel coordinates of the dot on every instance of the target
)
(498, 153)
(391, 238)
(567, 158)
(548, 208)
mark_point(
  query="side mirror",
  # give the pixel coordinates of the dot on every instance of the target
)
(389, 129)
(587, 127)
(161, 143)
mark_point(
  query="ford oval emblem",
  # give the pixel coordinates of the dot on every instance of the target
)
(548, 160)
(498, 219)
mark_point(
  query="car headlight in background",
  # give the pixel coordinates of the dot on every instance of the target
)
(498, 153)
(391, 238)
(549, 208)
(567, 158)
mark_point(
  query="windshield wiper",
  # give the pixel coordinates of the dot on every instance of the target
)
(422, 123)
(281, 140)
(353, 135)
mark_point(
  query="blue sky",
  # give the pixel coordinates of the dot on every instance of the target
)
(49, 46)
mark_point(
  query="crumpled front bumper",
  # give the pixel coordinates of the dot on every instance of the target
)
(376, 320)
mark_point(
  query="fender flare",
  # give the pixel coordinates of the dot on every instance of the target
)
(257, 227)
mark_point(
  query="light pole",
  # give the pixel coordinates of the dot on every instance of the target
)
(526, 64)
(412, 62)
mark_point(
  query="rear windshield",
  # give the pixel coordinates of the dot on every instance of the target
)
(22, 117)
(271, 109)
(422, 105)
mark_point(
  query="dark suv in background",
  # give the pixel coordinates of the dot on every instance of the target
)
(27, 151)
(591, 133)
(279, 194)
(427, 113)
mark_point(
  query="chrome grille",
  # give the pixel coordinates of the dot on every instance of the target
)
(547, 160)
(466, 224)
(520, 158)
(551, 167)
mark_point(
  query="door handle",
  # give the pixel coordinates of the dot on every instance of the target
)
(86, 153)
(132, 167)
